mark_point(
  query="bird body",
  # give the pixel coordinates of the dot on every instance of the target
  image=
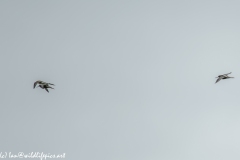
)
(45, 87)
(224, 76)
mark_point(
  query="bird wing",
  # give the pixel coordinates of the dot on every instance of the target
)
(49, 87)
(218, 79)
(228, 73)
(34, 85)
(46, 90)
(44, 83)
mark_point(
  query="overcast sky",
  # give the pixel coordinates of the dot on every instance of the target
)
(134, 79)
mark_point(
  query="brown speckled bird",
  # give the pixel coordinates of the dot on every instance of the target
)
(43, 85)
(224, 76)
(40, 82)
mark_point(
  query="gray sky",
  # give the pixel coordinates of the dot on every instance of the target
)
(134, 79)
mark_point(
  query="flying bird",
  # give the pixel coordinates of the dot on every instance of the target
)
(224, 76)
(45, 86)
(41, 83)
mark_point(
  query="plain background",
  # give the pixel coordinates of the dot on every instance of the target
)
(134, 79)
